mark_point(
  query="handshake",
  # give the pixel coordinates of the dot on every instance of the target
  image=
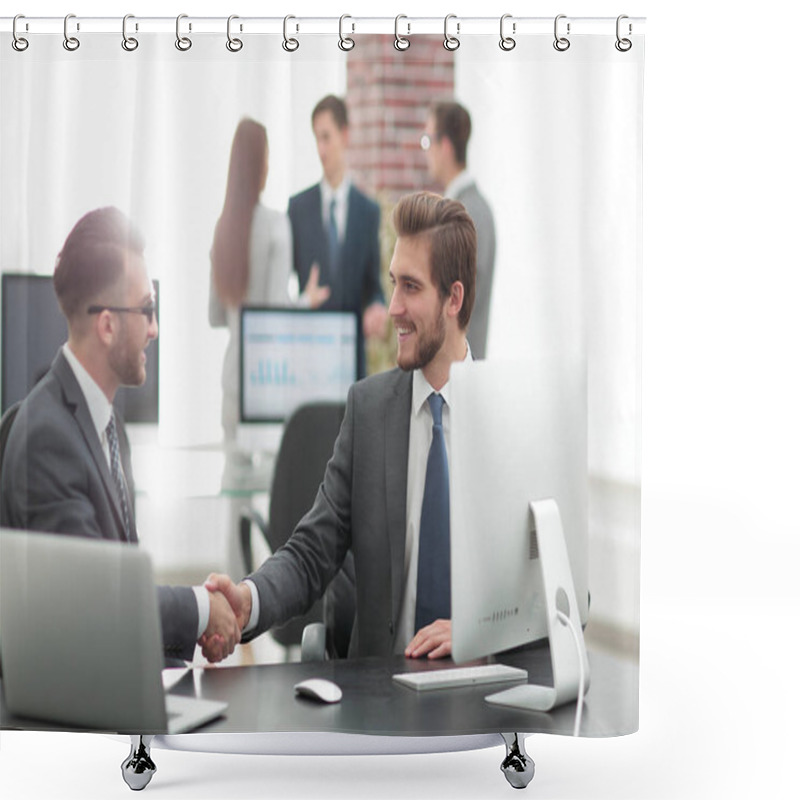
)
(229, 614)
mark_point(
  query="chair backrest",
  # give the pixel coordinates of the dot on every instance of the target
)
(306, 447)
(6, 422)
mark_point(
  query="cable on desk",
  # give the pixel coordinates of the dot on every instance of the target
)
(582, 676)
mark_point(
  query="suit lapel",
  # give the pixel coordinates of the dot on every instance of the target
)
(76, 402)
(396, 425)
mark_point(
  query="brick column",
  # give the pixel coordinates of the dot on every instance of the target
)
(388, 96)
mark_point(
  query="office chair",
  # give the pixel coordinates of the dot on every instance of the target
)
(5, 428)
(306, 447)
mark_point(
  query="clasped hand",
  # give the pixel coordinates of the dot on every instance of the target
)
(230, 612)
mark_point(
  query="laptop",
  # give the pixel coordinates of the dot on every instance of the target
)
(80, 637)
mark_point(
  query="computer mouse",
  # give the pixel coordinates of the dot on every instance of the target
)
(319, 689)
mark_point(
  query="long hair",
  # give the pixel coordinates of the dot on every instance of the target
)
(230, 252)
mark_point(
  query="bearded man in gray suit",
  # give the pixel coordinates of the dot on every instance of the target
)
(445, 140)
(371, 497)
(67, 465)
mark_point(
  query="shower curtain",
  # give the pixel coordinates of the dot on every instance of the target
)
(556, 149)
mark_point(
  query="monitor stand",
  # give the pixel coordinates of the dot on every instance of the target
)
(559, 593)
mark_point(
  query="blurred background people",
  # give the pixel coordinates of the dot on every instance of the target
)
(445, 140)
(335, 228)
(251, 258)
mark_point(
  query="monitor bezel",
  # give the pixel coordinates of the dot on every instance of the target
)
(257, 308)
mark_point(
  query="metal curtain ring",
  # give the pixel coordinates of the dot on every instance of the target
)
(451, 42)
(345, 42)
(129, 43)
(234, 45)
(561, 43)
(289, 44)
(400, 42)
(623, 45)
(506, 42)
(19, 43)
(183, 43)
(71, 43)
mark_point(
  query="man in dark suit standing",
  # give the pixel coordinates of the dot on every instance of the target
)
(445, 140)
(385, 490)
(67, 465)
(335, 226)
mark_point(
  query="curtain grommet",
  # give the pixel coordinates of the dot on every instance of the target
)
(289, 44)
(183, 43)
(401, 43)
(19, 43)
(451, 43)
(129, 43)
(623, 44)
(507, 43)
(346, 43)
(233, 44)
(71, 43)
(561, 43)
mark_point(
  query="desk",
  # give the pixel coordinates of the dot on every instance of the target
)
(265, 717)
(261, 699)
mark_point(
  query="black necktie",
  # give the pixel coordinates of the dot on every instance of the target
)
(118, 475)
(433, 568)
(333, 238)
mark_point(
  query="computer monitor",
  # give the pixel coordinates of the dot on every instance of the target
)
(518, 434)
(33, 328)
(289, 357)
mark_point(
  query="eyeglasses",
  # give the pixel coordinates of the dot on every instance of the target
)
(426, 141)
(148, 311)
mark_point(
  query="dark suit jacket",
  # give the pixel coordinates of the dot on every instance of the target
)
(56, 479)
(356, 283)
(361, 504)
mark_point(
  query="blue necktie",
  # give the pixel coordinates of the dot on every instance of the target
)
(118, 476)
(433, 569)
(333, 238)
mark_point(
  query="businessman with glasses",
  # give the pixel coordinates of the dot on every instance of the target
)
(67, 466)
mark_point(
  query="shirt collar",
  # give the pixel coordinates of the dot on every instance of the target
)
(421, 389)
(339, 193)
(458, 184)
(100, 409)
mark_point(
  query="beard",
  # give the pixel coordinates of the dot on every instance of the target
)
(429, 343)
(125, 360)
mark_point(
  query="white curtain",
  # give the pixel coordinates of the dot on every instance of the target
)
(556, 150)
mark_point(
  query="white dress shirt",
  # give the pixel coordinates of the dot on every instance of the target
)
(100, 411)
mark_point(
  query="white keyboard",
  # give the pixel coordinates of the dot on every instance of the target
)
(460, 676)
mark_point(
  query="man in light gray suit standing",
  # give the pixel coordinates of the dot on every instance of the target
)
(445, 140)
(67, 467)
(375, 498)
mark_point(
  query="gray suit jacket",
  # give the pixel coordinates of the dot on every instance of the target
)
(56, 479)
(481, 214)
(361, 504)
